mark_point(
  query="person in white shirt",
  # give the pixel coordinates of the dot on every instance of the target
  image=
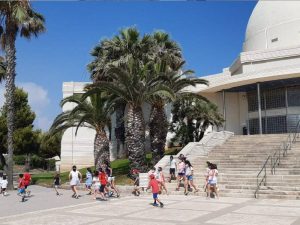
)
(212, 180)
(189, 172)
(75, 178)
(4, 186)
(173, 168)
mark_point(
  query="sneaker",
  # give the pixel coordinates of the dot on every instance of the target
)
(161, 205)
(186, 193)
(73, 196)
(155, 204)
(23, 198)
(57, 194)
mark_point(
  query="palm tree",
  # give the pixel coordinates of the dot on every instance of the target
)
(16, 17)
(207, 116)
(92, 111)
(177, 80)
(116, 52)
(191, 117)
(135, 86)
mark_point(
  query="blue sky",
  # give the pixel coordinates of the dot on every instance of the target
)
(210, 33)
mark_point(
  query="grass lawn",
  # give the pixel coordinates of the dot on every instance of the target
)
(120, 170)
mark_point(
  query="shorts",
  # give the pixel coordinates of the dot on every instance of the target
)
(110, 179)
(172, 170)
(181, 174)
(88, 185)
(211, 182)
(101, 189)
(97, 187)
(189, 177)
(155, 195)
(56, 186)
(26, 186)
(21, 190)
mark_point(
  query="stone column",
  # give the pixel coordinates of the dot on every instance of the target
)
(259, 108)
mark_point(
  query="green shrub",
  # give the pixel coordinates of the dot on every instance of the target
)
(19, 159)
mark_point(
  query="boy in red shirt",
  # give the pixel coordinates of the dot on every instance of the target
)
(153, 183)
(21, 187)
(103, 182)
(27, 180)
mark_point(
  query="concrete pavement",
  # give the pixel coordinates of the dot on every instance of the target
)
(44, 208)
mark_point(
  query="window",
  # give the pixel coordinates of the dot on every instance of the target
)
(293, 96)
(275, 98)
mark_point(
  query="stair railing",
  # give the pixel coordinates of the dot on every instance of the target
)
(276, 158)
(286, 145)
(263, 179)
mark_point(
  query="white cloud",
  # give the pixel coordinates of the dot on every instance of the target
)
(38, 100)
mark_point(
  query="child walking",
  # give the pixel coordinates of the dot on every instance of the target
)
(21, 187)
(153, 183)
(4, 186)
(89, 181)
(161, 180)
(56, 183)
(103, 183)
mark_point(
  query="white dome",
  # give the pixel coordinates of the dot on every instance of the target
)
(273, 24)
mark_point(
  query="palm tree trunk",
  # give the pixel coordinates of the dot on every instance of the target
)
(158, 132)
(120, 130)
(101, 149)
(135, 138)
(10, 51)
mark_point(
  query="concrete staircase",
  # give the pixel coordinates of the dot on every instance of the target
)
(240, 159)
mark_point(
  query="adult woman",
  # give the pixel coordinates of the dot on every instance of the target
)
(212, 180)
(189, 172)
(75, 178)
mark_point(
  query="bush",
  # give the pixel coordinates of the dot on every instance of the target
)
(51, 164)
(19, 159)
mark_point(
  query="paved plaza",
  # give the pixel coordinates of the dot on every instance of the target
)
(44, 207)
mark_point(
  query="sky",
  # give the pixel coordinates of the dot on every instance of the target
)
(211, 35)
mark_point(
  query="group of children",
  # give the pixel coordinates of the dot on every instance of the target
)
(100, 182)
(23, 182)
(185, 173)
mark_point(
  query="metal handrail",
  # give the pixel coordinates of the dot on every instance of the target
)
(276, 157)
(264, 178)
(287, 145)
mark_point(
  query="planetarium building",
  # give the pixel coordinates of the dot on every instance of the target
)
(259, 93)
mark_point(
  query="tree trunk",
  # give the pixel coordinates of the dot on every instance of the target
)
(10, 51)
(120, 130)
(158, 132)
(135, 138)
(101, 149)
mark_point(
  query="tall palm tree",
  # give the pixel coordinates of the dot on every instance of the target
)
(116, 52)
(16, 17)
(92, 111)
(135, 86)
(208, 115)
(177, 80)
(191, 118)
